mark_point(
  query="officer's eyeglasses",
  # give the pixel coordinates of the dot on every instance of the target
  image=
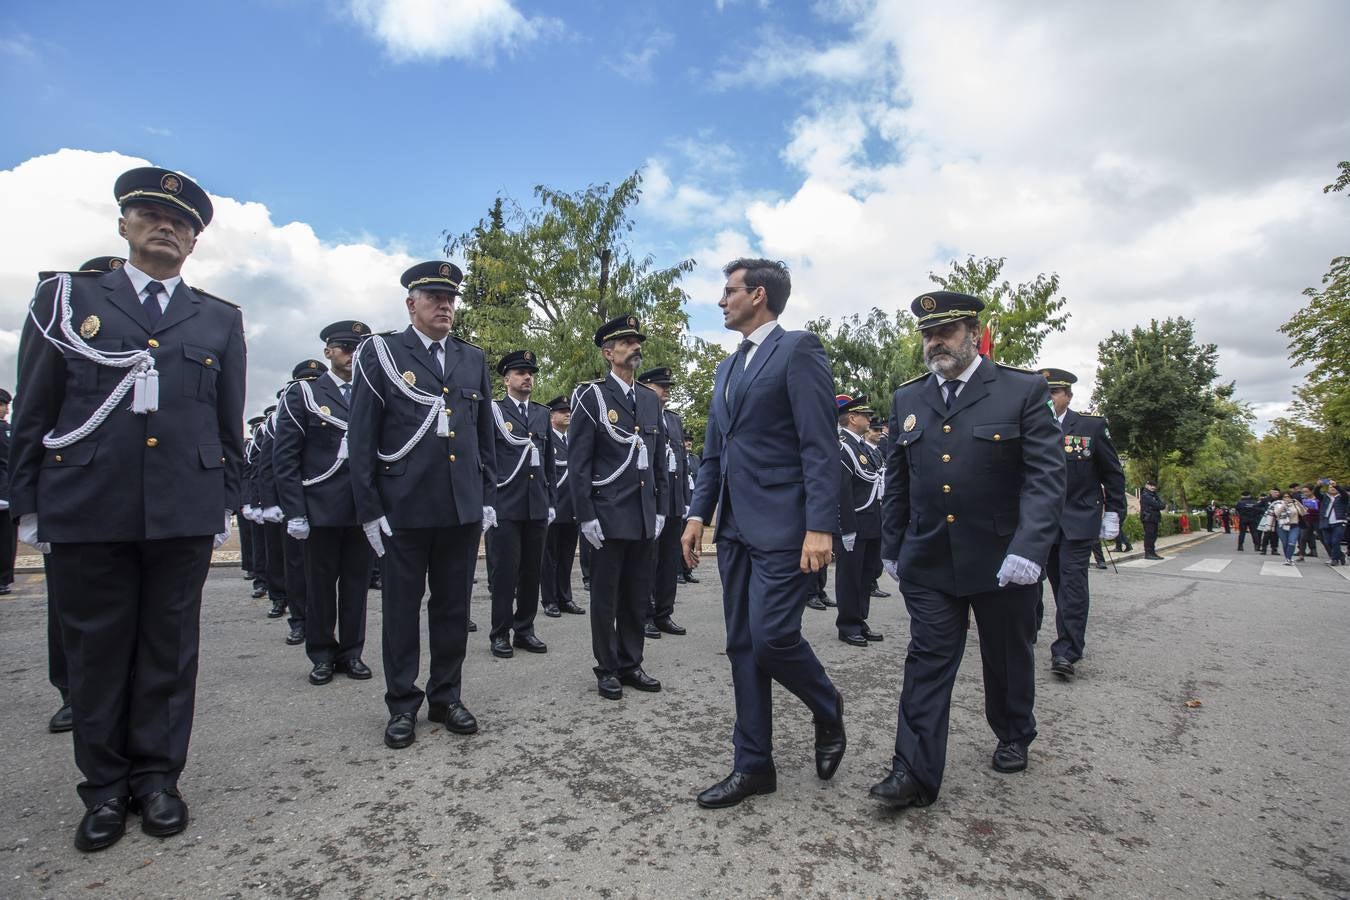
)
(728, 291)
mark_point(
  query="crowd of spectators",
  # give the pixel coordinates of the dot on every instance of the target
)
(1291, 522)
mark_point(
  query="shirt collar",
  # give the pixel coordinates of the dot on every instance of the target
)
(336, 380)
(139, 280)
(970, 370)
(426, 341)
(759, 335)
(623, 385)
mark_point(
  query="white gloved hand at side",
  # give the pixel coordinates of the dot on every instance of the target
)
(849, 540)
(892, 567)
(489, 518)
(224, 536)
(28, 531)
(552, 514)
(1018, 570)
(273, 514)
(298, 528)
(373, 531)
(591, 532)
(660, 523)
(1110, 525)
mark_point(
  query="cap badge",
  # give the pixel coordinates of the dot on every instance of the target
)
(313, 364)
(445, 270)
(325, 410)
(89, 327)
(410, 377)
(613, 417)
(910, 421)
(529, 357)
(357, 328)
(171, 184)
(632, 322)
(115, 264)
(1045, 373)
(928, 304)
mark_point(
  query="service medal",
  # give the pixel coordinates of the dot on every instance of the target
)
(613, 417)
(862, 460)
(410, 377)
(510, 427)
(89, 327)
(325, 410)
(910, 421)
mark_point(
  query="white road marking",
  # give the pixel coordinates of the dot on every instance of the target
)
(1209, 565)
(1341, 571)
(1280, 570)
(1141, 563)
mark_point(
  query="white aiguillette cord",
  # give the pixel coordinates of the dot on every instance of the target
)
(307, 394)
(525, 443)
(142, 377)
(437, 403)
(634, 441)
(873, 478)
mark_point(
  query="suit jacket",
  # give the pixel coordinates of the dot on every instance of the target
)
(1150, 506)
(771, 448)
(628, 506)
(967, 486)
(679, 478)
(307, 446)
(858, 507)
(528, 492)
(442, 481)
(170, 473)
(1092, 474)
(563, 485)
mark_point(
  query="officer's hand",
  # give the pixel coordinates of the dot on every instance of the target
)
(273, 514)
(591, 531)
(373, 531)
(660, 523)
(224, 535)
(849, 540)
(552, 514)
(686, 510)
(4, 504)
(892, 567)
(816, 551)
(692, 542)
(489, 518)
(1110, 525)
(1018, 570)
(298, 528)
(28, 531)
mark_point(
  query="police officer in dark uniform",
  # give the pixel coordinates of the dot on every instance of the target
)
(425, 474)
(668, 557)
(692, 462)
(249, 514)
(131, 496)
(268, 515)
(314, 484)
(974, 488)
(1150, 515)
(1094, 504)
(858, 544)
(560, 542)
(875, 444)
(525, 506)
(1248, 516)
(616, 446)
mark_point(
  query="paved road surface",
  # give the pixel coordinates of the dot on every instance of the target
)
(1131, 792)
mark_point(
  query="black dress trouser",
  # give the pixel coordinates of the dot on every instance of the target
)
(517, 555)
(667, 557)
(274, 539)
(1067, 569)
(337, 577)
(621, 585)
(1150, 538)
(560, 548)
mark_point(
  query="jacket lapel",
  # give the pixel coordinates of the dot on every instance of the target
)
(976, 388)
(1070, 423)
(413, 341)
(762, 354)
(122, 296)
(454, 355)
(183, 305)
(509, 407)
(720, 408)
(931, 391)
(614, 397)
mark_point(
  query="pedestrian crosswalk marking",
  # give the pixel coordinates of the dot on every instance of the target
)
(1279, 569)
(1141, 563)
(1341, 571)
(1209, 565)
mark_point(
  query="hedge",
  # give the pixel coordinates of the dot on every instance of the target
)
(1170, 524)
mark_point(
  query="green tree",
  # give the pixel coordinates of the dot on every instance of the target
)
(1226, 462)
(871, 356)
(1023, 315)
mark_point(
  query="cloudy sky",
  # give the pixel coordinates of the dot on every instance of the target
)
(1165, 159)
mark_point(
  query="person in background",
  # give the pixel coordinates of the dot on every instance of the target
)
(1211, 508)
(1332, 521)
(1308, 522)
(1150, 514)
(1248, 512)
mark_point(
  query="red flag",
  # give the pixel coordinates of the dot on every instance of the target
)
(987, 343)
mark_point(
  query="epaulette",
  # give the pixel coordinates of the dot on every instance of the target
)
(1016, 368)
(197, 290)
(914, 379)
(43, 276)
(1092, 415)
(467, 343)
(647, 386)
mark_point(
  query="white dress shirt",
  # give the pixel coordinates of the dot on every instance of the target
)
(962, 378)
(139, 280)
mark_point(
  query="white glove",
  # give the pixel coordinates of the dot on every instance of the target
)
(892, 567)
(660, 522)
(849, 540)
(373, 529)
(4, 504)
(28, 533)
(686, 510)
(591, 532)
(273, 514)
(247, 511)
(552, 514)
(298, 528)
(1017, 570)
(489, 518)
(224, 535)
(1110, 525)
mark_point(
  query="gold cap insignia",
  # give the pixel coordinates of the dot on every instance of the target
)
(357, 328)
(613, 417)
(171, 184)
(910, 421)
(510, 427)
(325, 410)
(410, 377)
(1045, 373)
(928, 304)
(445, 270)
(115, 263)
(89, 327)
(313, 364)
(529, 357)
(632, 322)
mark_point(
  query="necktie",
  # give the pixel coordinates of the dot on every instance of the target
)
(346, 390)
(435, 350)
(738, 367)
(632, 403)
(949, 391)
(151, 302)
(523, 415)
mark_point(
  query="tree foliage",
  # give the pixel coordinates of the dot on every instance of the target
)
(1226, 462)
(1023, 316)
(871, 356)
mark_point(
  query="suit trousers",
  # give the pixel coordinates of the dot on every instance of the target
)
(9, 548)
(1248, 528)
(130, 619)
(56, 645)
(852, 593)
(518, 554)
(274, 540)
(667, 557)
(1150, 538)
(337, 576)
(414, 558)
(245, 543)
(584, 551)
(293, 554)
(621, 585)
(763, 596)
(1006, 619)
(560, 547)
(1067, 570)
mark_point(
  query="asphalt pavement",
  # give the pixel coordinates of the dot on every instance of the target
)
(1203, 751)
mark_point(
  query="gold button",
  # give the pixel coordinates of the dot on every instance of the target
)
(475, 396)
(636, 429)
(642, 484)
(452, 434)
(222, 459)
(152, 442)
(445, 390)
(532, 478)
(998, 437)
(448, 411)
(946, 457)
(452, 457)
(153, 343)
(946, 489)
(59, 457)
(951, 518)
(946, 429)
(207, 361)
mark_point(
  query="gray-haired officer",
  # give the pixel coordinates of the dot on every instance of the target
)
(1094, 478)
(125, 460)
(858, 544)
(614, 443)
(425, 475)
(525, 506)
(314, 484)
(560, 543)
(668, 555)
(974, 488)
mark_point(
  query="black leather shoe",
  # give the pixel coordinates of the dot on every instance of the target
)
(690, 579)
(680, 579)
(297, 635)
(259, 593)
(501, 648)
(162, 812)
(1061, 667)
(668, 625)
(813, 602)
(376, 584)
(878, 592)
(872, 635)
(572, 607)
(640, 680)
(401, 731)
(552, 611)
(899, 790)
(322, 673)
(609, 687)
(1009, 757)
(1100, 565)
(102, 826)
(651, 632)
(355, 669)
(530, 643)
(454, 717)
(853, 640)
(277, 611)
(736, 787)
(62, 720)
(586, 583)
(830, 744)
(473, 626)
(1153, 556)
(828, 601)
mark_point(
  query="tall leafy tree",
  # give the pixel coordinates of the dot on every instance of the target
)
(871, 355)
(1023, 315)
(1226, 462)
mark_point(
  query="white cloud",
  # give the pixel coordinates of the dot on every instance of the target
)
(468, 30)
(634, 63)
(60, 212)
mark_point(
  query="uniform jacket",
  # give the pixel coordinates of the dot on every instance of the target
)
(858, 507)
(627, 507)
(524, 491)
(678, 491)
(563, 484)
(1093, 475)
(693, 461)
(306, 446)
(442, 481)
(772, 447)
(170, 473)
(1150, 507)
(248, 491)
(264, 476)
(969, 485)
(4, 460)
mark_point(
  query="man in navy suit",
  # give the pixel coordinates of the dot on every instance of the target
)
(974, 487)
(770, 471)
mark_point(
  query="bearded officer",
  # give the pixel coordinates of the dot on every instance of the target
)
(974, 488)
(132, 494)
(858, 544)
(314, 484)
(668, 556)
(560, 542)
(614, 442)
(425, 475)
(1093, 478)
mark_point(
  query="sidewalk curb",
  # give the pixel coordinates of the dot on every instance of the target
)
(1190, 540)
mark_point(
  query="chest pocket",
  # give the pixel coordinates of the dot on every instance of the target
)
(1000, 443)
(201, 368)
(468, 400)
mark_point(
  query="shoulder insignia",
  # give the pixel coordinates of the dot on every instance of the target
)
(43, 276)
(461, 340)
(202, 293)
(1016, 368)
(914, 379)
(647, 386)
(1092, 415)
